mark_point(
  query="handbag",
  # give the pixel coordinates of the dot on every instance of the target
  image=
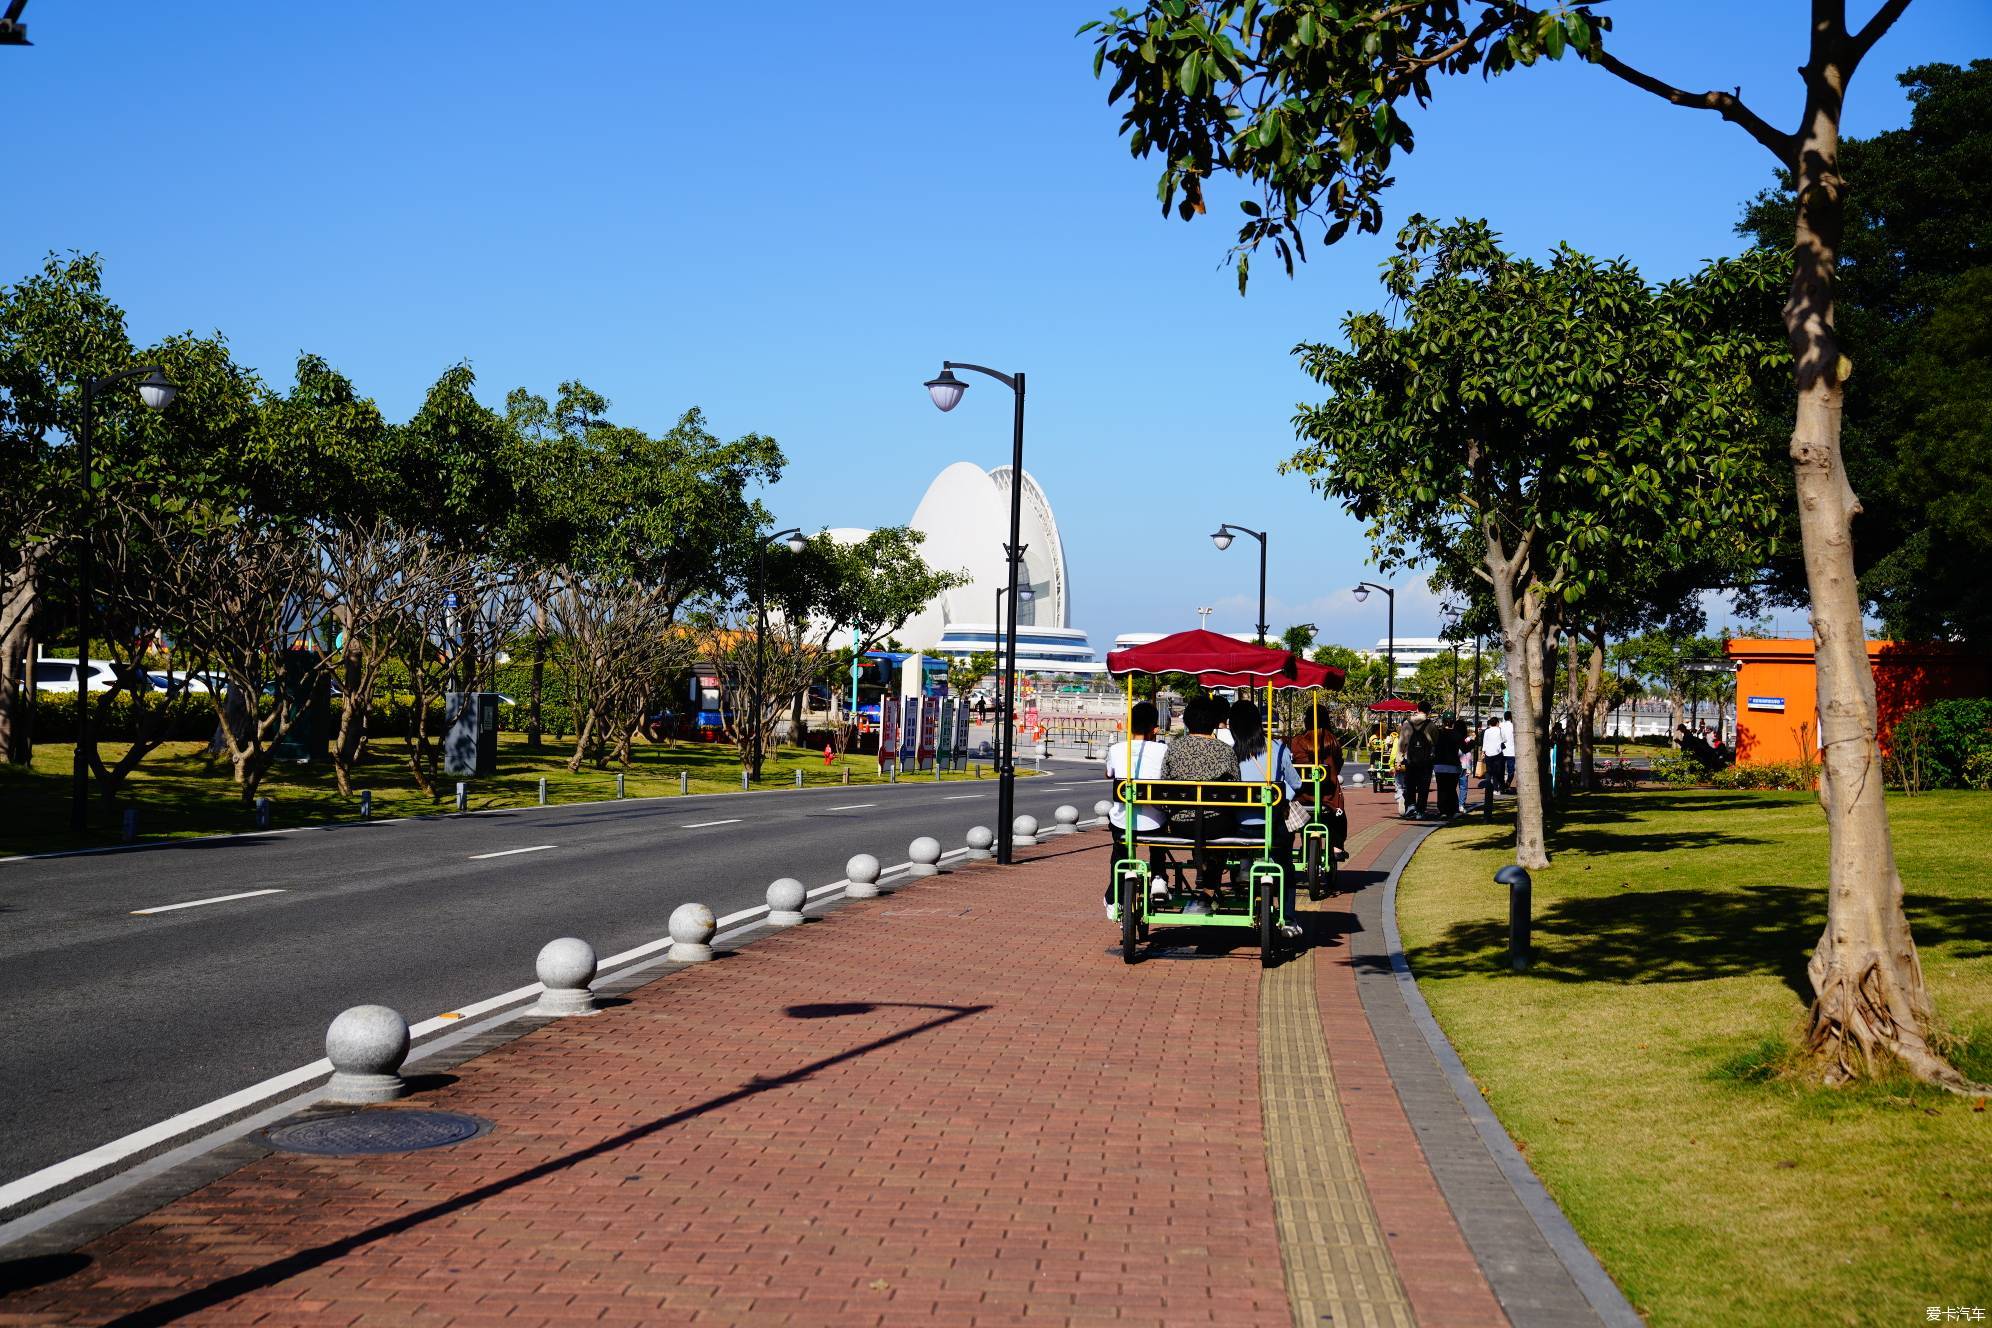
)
(1296, 817)
(1480, 766)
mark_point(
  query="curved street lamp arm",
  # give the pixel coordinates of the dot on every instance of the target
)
(1005, 379)
(93, 384)
(1237, 529)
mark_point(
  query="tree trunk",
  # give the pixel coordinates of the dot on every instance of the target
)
(1871, 1006)
(17, 695)
(1521, 617)
(1594, 690)
(538, 686)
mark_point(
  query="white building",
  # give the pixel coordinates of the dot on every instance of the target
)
(965, 517)
(1411, 652)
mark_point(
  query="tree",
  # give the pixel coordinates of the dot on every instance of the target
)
(1538, 415)
(965, 674)
(1914, 284)
(1304, 100)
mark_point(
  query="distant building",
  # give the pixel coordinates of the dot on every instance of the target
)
(965, 517)
(1411, 652)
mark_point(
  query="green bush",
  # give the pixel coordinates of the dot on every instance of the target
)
(1677, 771)
(188, 718)
(1935, 747)
(1781, 776)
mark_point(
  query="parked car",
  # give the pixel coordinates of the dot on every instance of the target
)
(59, 675)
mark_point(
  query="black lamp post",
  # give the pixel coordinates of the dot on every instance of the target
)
(946, 392)
(796, 544)
(1221, 537)
(1362, 591)
(157, 394)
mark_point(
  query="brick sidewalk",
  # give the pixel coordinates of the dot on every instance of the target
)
(954, 1105)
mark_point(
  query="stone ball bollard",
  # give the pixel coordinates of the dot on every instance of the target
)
(1102, 807)
(565, 968)
(926, 854)
(692, 927)
(366, 1046)
(1023, 832)
(1067, 817)
(785, 902)
(861, 875)
(979, 840)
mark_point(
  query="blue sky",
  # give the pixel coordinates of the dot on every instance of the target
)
(788, 217)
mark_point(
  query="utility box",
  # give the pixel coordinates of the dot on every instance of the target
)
(470, 733)
(306, 698)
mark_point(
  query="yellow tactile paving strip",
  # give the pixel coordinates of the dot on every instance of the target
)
(1338, 1270)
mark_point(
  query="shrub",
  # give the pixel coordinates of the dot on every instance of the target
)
(189, 718)
(1782, 776)
(1935, 746)
(1677, 771)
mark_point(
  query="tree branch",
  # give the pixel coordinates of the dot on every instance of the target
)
(1729, 106)
(1884, 19)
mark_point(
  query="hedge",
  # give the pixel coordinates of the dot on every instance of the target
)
(1946, 744)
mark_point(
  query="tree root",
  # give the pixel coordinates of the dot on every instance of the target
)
(1853, 1032)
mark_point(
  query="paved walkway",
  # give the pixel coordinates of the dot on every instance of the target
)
(953, 1105)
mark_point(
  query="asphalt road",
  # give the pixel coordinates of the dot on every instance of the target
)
(115, 1021)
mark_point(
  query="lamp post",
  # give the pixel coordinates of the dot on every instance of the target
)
(1361, 592)
(796, 544)
(157, 394)
(1221, 537)
(946, 391)
(1007, 684)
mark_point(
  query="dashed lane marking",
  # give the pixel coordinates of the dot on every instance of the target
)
(508, 852)
(196, 903)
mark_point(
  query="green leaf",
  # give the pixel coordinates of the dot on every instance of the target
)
(1190, 73)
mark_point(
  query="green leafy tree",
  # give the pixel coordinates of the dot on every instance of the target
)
(1547, 412)
(964, 674)
(1305, 101)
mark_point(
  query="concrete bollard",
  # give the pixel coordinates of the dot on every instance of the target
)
(979, 840)
(565, 968)
(892, 775)
(847, 775)
(542, 791)
(744, 785)
(366, 1046)
(1067, 817)
(692, 927)
(1520, 888)
(619, 784)
(798, 776)
(128, 825)
(926, 854)
(978, 769)
(1023, 832)
(684, 783)
(462, 795)
(937, 772)
(861, 877)
(785, 898)
(264, 813)
(366, 804)
(1102, 807)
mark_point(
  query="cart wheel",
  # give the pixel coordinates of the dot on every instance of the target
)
(1269, 936)
(1317, 887)
(1132, 886)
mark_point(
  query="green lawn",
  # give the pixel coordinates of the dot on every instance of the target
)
(178, 792)
(1635, 1062)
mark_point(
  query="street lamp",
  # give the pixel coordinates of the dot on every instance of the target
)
(1024, 596)
(796, 544)
(946, 391)
(1361, 593)
(1222, 537)
(157, 393)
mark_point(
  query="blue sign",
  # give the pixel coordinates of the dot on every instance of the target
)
(450, 599)
(1774, 704)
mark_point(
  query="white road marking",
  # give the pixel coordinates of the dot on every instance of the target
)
(853, 807)
(508, 852)
(700, 825)
(963, 797)
(196, 903)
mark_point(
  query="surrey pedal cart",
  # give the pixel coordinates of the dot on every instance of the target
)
(1215, 873)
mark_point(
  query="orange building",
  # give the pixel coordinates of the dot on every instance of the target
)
(1777, 690)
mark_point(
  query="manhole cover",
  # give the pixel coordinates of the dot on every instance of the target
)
(389, 1131)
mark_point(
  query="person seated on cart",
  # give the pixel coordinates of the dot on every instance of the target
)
(1138, 756)
(1321, 747)
(1197, 755)
(1262, 760)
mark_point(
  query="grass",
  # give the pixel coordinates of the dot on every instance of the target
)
(1638, 1063)
(178, 792)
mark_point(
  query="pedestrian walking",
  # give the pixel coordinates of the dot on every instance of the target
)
(1490, 757)
(1507, 751)
(1414, 748)
(1445, 766)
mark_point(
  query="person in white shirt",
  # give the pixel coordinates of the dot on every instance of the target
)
(1490, 752)
(1138, 756)
(1507, 751)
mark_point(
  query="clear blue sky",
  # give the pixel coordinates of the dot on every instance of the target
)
(788, 214)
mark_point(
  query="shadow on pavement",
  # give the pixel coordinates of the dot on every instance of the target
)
(26, 1274)
(218, 1293)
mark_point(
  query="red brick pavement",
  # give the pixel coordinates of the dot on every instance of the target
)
(953, 1106)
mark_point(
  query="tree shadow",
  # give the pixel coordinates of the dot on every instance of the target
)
(1644, 936)
(280, 1270)
(39, 1270)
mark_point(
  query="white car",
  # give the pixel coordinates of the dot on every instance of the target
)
(59, 675)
